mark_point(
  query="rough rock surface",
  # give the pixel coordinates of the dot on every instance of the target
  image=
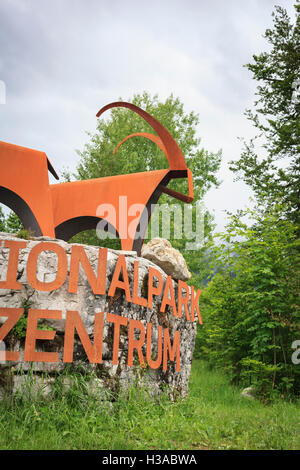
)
(106, 375)
(249, 393)
(170, 260)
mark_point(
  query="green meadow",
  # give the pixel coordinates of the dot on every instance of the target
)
(213, 416)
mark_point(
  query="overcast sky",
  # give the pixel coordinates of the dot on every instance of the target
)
(62, 60)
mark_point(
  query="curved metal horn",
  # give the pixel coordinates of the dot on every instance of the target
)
(152, 137)
(173, 153)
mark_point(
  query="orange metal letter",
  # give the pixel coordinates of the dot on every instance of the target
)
(168, 347)
(13, 315)
(195, 305)
(116, 282)
(183, 300)
(135, 297)
(166, 300)
(117, 320)
(154, 364)
(151, 289)
(32, 334)
(136, 343)
(97, 283)
(93, 351)
(12, 268)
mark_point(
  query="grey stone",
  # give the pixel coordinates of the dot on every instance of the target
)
(249, 393)
(112, 377)
(32, 385)
(170, 260)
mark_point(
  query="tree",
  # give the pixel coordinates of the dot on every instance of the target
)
(276, 116)
(251, 308)
(10, 223)
(13, 223)
(138, 154)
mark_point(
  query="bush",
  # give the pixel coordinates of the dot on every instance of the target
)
(250, 308)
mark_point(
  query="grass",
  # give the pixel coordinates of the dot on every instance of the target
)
(213, 416)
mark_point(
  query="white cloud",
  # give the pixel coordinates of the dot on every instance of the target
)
(62, 61)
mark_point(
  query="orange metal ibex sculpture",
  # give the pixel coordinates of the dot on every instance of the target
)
(65, 209)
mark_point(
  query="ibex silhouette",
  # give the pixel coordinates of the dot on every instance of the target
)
(62, 210)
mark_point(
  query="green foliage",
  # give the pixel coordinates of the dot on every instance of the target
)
(24, 234)
(11, 223)
(276, 117)
(251, 307)
(260, 376)
(20, 327)
(139, 154)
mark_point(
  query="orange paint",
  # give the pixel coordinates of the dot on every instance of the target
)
(117, 320)
(135, 297)
(183, 301)
(152, 290)
(195, 304)
(154, 364)
(117, 282)
(169, 300)
(13, 315)
(171, 350)
(24, 187)
(93, 351)
(12, 268)
(136, 343)
(74, 324)
(33, 333)
(65, 209)
(79, 257)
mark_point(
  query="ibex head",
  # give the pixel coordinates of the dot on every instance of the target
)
(163, 140)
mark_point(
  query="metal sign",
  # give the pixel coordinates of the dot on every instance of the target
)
(65, 209)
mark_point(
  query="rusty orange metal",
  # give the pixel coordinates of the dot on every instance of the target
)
(24, 187)
(62, 210)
